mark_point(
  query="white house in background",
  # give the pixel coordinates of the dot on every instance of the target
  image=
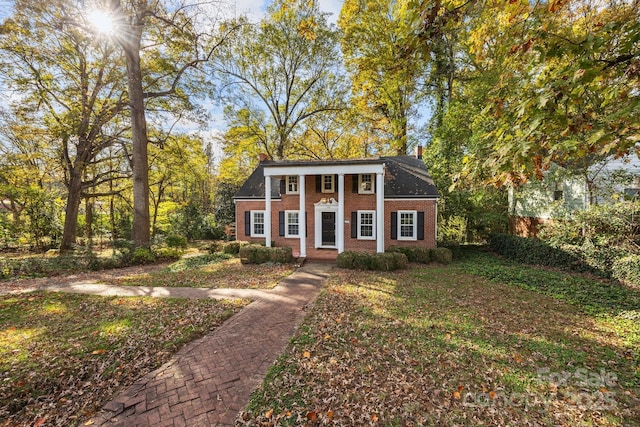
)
(559, 194)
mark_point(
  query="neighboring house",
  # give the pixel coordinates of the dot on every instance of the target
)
(322, 208)
(559, 194)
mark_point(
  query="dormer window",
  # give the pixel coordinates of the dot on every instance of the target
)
(365, 183)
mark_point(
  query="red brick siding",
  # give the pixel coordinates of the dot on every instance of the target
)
(353, 202)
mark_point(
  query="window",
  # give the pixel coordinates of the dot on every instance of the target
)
(257, 223)
(292, 184)
(366, 225)
(558, 193)
(292, 225)
(328, 184)
(365, 183)
(407, 225)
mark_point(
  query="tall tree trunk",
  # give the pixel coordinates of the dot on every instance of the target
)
(88, 226)
(141, 229)
(69, 232)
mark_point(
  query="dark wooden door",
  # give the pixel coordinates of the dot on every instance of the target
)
(328, 228)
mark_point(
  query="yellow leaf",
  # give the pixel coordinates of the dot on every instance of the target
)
(88, 423)
(101, 351)
(269, 413)
(306, 354)
(456, 395)
(330, 414)
(374, 418)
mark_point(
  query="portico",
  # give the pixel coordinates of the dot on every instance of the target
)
(329, 212)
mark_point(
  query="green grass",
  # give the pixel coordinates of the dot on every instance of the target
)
(442, 346)
(211, 271)
(62, 355)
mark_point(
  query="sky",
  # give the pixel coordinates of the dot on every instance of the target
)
(254, 10)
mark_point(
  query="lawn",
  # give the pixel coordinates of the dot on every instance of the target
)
(211, 271)
(62, 356)
(480, 342)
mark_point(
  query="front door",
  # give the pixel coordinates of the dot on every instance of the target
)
(328, 228)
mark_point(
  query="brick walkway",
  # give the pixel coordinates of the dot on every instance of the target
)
(210, 380)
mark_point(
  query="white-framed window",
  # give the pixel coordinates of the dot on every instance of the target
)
(328, 184)
(366, 225)
(365, 183)
(292, 224)
(292, 184)
(407, 225)
(257, 223)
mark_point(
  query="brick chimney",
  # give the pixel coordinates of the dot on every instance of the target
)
(419, 152)
(263, 157)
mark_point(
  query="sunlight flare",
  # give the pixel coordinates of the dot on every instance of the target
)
(102, 21)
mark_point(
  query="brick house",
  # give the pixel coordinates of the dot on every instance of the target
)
(324, 207)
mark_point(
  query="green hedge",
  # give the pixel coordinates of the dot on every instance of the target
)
(442, 255)
(601, 261)
(258, 254)
(387, 261)
(423, 255)
(627, 269)
(234, 247)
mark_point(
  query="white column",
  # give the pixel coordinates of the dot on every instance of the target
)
(267, 210)
(340, 220)
(379, 212)
(302, 219)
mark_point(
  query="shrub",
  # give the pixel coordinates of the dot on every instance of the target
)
(627, 269)
(366, 261)
(212, 247)
(258, 254)
(586, 258)
(233, 248)
(167, 254)
(442, 255)
(176, 241)
(142, 256)
(413, 254)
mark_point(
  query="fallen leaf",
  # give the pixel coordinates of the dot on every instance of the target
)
(101, 351)
(306, 354)
(330, 414)
(88, 423)
(312, 416)
(39, 422)
(374, 418)
(456, 395)
(269, 413)
(492, 394)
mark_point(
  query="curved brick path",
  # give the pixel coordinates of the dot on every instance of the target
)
(210, 380)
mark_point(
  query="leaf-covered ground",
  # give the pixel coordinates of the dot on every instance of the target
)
(211, 271)
(63, 355)
(440, 346)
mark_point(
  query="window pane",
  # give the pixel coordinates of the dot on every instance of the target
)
(258, 223)
(366, 224)
(292, 184)
(293, 227)
(327, 182)
(406, 224)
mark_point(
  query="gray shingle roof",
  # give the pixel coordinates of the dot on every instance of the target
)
(405, 177)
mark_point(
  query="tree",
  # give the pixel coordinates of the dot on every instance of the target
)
(567, 89)
(280, 73)
(386, 73)
(68, 83)
(178, 40)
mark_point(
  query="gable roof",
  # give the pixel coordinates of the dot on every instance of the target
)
(405, 177)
